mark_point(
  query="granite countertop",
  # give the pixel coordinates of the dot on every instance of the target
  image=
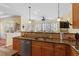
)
(43, 40)
(40, 39)
(37, 39)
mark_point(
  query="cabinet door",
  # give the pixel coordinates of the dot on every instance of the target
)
(16, 44)
(60, 50)
(36, 48)
(75, 14)
(47, 49)
(68, 50)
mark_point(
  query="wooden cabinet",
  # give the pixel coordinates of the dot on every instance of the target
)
(42, 48)
(47, 49)
(75, 15)
(50, 49)
(60, 50)
(36, 48)
(16, 44)
(68, 50)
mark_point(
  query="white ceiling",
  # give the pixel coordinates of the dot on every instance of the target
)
(49, 10)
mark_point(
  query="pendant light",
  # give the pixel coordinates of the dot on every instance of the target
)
(58, 13)
(29, 14)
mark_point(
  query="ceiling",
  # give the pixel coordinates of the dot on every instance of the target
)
(49, 10)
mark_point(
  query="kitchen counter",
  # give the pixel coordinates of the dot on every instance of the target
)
(45, 39)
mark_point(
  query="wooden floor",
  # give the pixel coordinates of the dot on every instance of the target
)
(7, 51)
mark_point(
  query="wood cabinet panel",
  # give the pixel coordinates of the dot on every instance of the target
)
(60, 50)
(68, 50)
(47, 49)
(75, 14)
(36, 48)
(16, 44)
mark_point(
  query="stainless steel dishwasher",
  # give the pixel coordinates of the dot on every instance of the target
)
(25, 48)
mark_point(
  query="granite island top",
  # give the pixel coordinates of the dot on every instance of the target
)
(37, 39)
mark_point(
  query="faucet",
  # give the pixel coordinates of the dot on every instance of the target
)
(61, 37)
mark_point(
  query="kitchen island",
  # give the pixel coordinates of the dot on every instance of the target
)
(42, 46)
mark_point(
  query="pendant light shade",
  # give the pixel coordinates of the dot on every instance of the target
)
(29, 21)
(58, 13)
(58, 19)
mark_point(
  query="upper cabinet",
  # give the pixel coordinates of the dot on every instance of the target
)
(75, 15)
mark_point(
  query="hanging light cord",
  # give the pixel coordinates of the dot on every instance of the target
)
(29, 13)
(58, 10)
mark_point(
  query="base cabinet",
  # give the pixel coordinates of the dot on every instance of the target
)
(60, 50)
(47, 49)
(16, 44)
(68, 50)
(36, 50)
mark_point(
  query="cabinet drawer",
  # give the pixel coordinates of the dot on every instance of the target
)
(36, 43)
(45, 44)
(60, 46)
